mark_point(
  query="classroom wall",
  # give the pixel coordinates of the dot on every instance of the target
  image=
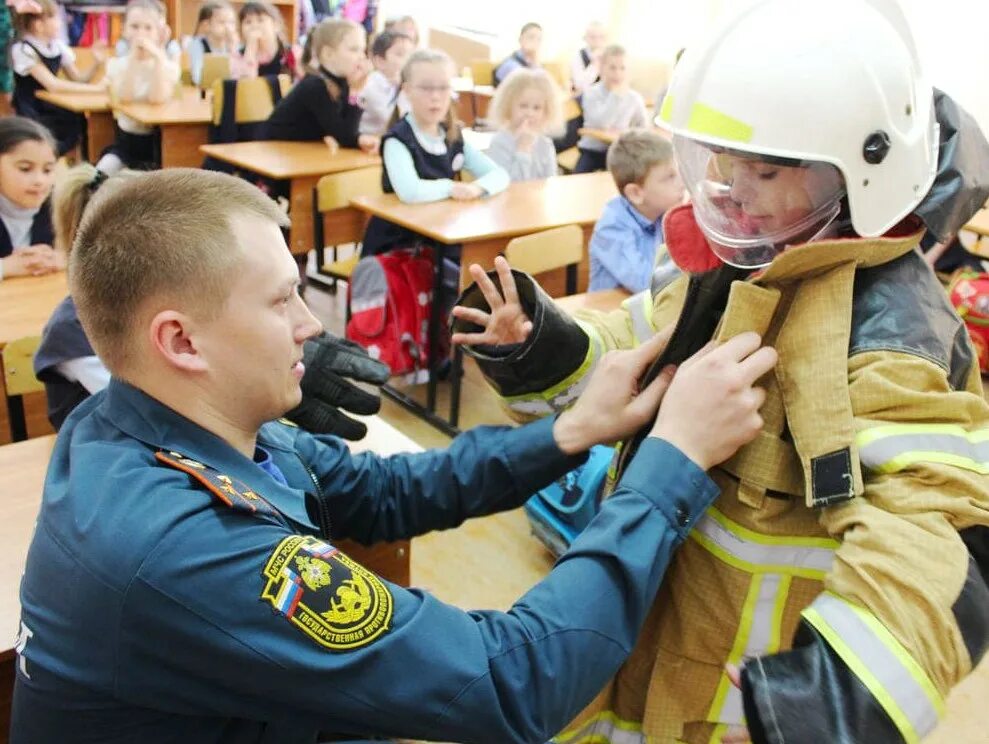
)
(950, 34)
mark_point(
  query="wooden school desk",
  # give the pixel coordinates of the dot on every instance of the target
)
(26, 302)
(183, 122)
(301, 163)
(22, 474)
(484, 226)
(95, 107)
(25, 306)
(979, 224)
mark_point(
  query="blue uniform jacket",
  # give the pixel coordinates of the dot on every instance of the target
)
(153, 612)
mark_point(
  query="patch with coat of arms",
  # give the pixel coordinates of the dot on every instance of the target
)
(329, 597)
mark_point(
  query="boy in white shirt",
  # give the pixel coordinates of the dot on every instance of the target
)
(610, 105)
(381, 93)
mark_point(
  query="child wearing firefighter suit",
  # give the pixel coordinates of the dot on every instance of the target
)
(845, 564)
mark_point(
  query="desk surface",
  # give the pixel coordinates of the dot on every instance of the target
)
(979, 224)
(27, 302)
(605, 300)
(524, 207)
(188, 108)
(286, 160)
(80, 103)
(22, 475)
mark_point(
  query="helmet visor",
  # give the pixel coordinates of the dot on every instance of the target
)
(751, 207)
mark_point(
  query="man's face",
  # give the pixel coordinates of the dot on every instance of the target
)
(253, 348)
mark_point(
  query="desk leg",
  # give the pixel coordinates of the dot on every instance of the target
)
(180, 145)
(99, 133)
(300, 240)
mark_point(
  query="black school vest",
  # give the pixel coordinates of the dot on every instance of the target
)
(26, 87)
(41, 231)
(382, 235)
(62, 340)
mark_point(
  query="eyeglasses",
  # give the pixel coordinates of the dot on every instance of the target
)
(430, 89)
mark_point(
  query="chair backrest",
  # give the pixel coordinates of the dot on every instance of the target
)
(254, 101)
(544, 251)
(334, 192)
(18, 367)
(215, 67)
(560, 72)
(482, 71)
(571, 109)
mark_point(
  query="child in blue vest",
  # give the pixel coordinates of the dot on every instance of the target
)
(27, 170)
(424, 153)
(37, 57)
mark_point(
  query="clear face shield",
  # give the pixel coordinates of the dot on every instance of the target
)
(751, 207)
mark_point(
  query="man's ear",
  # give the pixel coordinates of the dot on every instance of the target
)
(171, 335)
(634, 193)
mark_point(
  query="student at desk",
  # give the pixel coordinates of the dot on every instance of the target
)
(27, 171)
(319, 106)
(182, 582)
(424, 153)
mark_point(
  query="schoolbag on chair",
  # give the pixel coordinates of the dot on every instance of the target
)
(391, 296)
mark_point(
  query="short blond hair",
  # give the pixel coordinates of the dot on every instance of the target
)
(612, 50)
(161, 234)
(519, 81)
(635, 153)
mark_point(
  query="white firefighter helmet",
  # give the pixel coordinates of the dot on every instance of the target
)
(833, 88)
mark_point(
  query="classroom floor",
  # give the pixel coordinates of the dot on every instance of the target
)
(455, 565)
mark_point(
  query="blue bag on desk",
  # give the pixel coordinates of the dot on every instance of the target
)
(559, 512)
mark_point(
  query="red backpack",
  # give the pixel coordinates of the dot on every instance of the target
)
(969, 292)
(391, 295)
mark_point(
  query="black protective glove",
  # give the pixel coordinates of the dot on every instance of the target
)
(326, 389)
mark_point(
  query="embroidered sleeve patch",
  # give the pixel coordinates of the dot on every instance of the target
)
(336, 602)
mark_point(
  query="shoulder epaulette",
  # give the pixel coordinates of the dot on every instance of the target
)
(229, 491)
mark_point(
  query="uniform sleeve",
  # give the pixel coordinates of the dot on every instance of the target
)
(639, 117)
(264, 625)
(905, 614)
(404, 179)
(337, 119)
(595, 106)
(68, 56)
(197, 55)
(483, 471)
(614, 246)
(548, 371)
(487, 174)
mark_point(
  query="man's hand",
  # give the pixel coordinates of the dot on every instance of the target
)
(507, 322)
(331, 364)
(712, 406)
(612, 407)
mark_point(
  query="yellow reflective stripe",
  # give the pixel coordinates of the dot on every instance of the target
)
(745, 533)
(758, 634)
(639, 307)
(604, 728)
(563, 393)
(707, 120)
(808, 557)
(895, 447)
(719, 731)
(666, 110)
(870, 651)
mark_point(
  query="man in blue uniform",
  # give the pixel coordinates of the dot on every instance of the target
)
(183, 583)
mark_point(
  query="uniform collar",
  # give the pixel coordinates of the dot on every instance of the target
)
(691, 251)
(150, 421)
